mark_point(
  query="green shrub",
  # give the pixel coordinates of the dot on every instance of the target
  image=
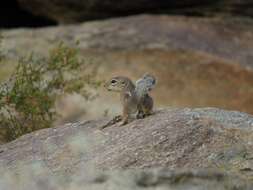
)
(1, 56)
(27, 99)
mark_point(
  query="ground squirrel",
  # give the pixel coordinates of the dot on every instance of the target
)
(134, 98)
(145, 102)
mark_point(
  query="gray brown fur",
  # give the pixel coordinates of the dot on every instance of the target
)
(145, 106)
(128, 97)
(145, 102)
(133, 98)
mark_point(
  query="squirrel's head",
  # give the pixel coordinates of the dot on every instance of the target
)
(118, 84)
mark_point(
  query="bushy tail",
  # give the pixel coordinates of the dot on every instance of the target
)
(145, 84)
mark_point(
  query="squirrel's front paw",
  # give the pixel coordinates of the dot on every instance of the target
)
(124, 122)
(117, 118)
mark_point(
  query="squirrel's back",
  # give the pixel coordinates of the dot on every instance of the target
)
(145, 102)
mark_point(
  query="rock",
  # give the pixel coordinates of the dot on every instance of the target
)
(198, 62)
(128, 180)
(69, 11)
(18, 17)
(171, 138)
(229, 39)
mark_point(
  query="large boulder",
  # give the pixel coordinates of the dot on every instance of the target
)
(69, 11)
(171, 138)
(159, 179)
(210, 146)
(198, 62)
(229, 39)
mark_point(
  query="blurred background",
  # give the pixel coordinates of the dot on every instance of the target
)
(201, 51)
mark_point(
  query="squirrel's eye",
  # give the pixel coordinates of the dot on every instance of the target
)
(113, 81)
